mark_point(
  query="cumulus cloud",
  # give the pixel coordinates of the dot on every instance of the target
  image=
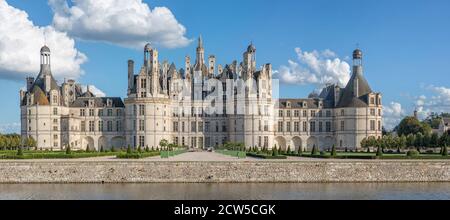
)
(129, 23)
(96, 91)
(20, 43)
(438, 101)
(10, 128)
(392, 115)
(319, 68)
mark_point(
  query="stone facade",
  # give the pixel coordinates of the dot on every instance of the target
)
(201, 105)
(223, 172)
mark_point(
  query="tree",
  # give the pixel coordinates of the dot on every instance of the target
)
(113, 149)
(163, 143)
(139, 149)
(379, 152)
(411, 125)
(434, 140)
(410, 140)
(445, 151)
(288, 149)
(333, 151)
(129, 149)
(68, 151)
(314, 150)
(419, 140)
(101, 149)
(275, 151)
(300, 150)
(20, 151)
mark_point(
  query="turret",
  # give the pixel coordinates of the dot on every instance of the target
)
(130, 75)
(212, 65)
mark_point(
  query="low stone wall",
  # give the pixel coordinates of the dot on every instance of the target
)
(231, 172)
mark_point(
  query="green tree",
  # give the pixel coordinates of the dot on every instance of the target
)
(379, 151)
(129, 149)
(314, 150)
(275, 151)
(434, 140)
(20, 151)
(411, 125)
(101, 149)
(410, 140)
(163, 143)
(333, 151)
(445, 151)
(68, 151)
(300, 150)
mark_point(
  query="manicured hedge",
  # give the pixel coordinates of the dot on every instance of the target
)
(55, 155)
(136, 155)
(167, 154)
(238, 154)
(264, 156)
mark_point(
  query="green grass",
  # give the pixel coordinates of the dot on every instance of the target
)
(372, 156)
(266, 156)
(167, 154)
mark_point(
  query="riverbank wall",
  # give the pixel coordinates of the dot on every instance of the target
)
(223, 172)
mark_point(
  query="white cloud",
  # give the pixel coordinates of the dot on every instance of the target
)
(129, 23)
(438, 101)
(9, 128)
(96, 91)
(315, 67)
(392, 115)
(20, 43)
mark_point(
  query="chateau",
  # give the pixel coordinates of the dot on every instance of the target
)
(201, 105)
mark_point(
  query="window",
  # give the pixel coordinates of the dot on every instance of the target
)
(82, 112)
(259, 141)
(342, 125)
(313, 113)
(372, 101)
(312, 126)
(55, 128)
(372, 112)
(207, 126)
(296, 126)
(372, 125)
(259, 125)
(91, 126)
(379, 112)
(83, 126)
(342, 112)
(55, 121)
(55, 99)
(320, 113)
(134, 110)
(55, 111)
(109, 126)
(266, 110)
(194, 126)
(100, 112)
(224, 127)
(379, 125)
(280, 113)
(280, 126)
(328, 126)
(288, 126)
(100, 125)
(182, 126)
(141, 110)
(110, 112)
(296, 113)
(143, 83)
(320, 126)
(288, 113)
(141, 125)
(266, 125)
(91, 112)
(175, 126)
(328, 114)
(305, 114)
(119, 112)
(200, 126)
(305, 126)
(266, 141)
(118, 126)
(141, 141)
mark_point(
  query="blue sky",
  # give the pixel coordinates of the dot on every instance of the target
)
(405, 45)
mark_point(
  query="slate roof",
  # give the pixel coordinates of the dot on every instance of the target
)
(99, 102)
(348, 98)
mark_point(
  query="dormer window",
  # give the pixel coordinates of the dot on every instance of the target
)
(109, 102)
(91, 103)
(288, 104)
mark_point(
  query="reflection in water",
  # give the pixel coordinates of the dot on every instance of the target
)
(226, 191)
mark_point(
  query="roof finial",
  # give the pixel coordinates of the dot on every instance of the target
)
(200, 41)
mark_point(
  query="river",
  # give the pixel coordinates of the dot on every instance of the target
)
(227, 191)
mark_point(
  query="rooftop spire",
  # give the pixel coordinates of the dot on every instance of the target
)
(200, 42)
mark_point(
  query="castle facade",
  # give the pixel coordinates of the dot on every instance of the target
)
(201, 105)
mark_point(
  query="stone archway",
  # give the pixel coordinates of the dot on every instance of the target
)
(311, 142)
(88, 143)
(102, 143)
(281, 143)
(296, 143)
(117, 142)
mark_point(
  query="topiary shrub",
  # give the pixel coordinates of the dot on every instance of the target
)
(113, 149)
(20, 152)
(333, 151)
(445, 151)
(379, 152)
(413, 153)
(68, 150)
(129, 149)
(101, 149)
(275, 151)
(314, 150)
(300, 151)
